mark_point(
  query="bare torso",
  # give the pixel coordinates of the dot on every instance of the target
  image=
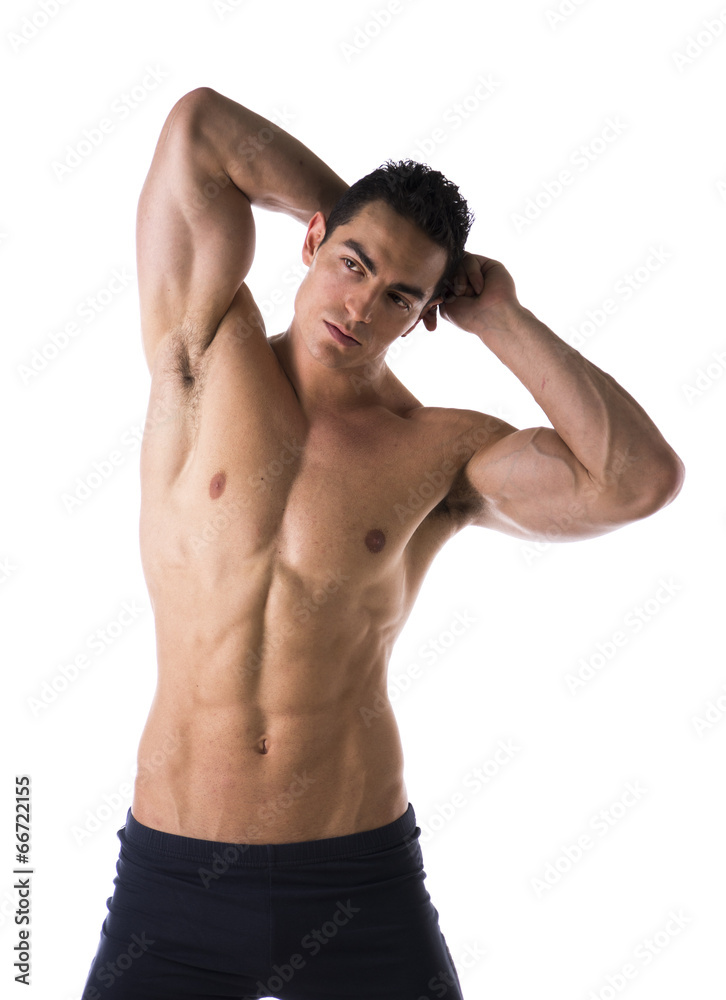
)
(283, 551)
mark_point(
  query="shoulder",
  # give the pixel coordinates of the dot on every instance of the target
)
(460, 432)
(455, 436)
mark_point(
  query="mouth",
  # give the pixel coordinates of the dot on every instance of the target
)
(337, 334)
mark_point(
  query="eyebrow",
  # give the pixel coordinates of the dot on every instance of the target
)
(412, 290)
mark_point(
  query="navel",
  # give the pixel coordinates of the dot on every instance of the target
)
(216, 486)
(262, 746)
(375, 540)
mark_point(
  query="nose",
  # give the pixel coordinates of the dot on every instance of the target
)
(359, 305)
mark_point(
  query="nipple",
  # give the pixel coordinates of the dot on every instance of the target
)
(216, 486)
(375, 540)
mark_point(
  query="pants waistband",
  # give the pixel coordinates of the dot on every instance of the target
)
(401, 830)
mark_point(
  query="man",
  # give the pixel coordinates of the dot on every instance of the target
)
(294, 493)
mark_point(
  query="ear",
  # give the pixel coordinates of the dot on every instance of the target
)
(313, 238)
(429, 316)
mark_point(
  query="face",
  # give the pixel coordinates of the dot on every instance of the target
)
(373, 280)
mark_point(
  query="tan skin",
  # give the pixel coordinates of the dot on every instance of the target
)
(280, 544)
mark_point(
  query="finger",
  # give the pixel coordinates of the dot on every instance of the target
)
(448, 291)
(473, 273)
(456, 286)
(461, 281)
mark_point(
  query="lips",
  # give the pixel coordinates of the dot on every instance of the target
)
(340, 335)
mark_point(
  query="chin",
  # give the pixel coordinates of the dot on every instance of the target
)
(324, 353)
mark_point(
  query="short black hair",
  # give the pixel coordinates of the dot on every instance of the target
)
(420, 194)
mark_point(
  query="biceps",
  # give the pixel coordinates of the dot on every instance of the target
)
(195, 232)
(535, 488)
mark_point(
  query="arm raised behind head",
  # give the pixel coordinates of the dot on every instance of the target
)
(195, 232)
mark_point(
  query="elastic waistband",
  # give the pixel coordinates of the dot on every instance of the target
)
(401, 830)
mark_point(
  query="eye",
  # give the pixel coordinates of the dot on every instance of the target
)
(400, 302)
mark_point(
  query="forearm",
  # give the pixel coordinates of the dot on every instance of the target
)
(273, 169)
(609, 433)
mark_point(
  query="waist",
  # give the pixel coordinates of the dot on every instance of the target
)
(244, 774)
(234, 854)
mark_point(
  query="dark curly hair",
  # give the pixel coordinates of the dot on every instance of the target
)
(420, 194)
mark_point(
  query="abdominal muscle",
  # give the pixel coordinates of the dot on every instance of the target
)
(297, 747)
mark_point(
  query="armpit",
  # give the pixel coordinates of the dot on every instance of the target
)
(462, 503)
(182, 360)
(180, 374)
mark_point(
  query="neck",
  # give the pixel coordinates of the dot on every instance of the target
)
(320, 387)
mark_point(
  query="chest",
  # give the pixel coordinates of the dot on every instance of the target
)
(347, 498)
(340, 494)
(318, 499)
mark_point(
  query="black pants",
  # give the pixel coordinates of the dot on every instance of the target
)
(333, 919)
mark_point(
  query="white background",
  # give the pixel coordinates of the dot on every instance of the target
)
(358, 93)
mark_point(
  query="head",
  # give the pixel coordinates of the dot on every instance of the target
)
(419, 194)
(382, 261)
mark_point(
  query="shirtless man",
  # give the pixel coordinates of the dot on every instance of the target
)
(270, 848)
